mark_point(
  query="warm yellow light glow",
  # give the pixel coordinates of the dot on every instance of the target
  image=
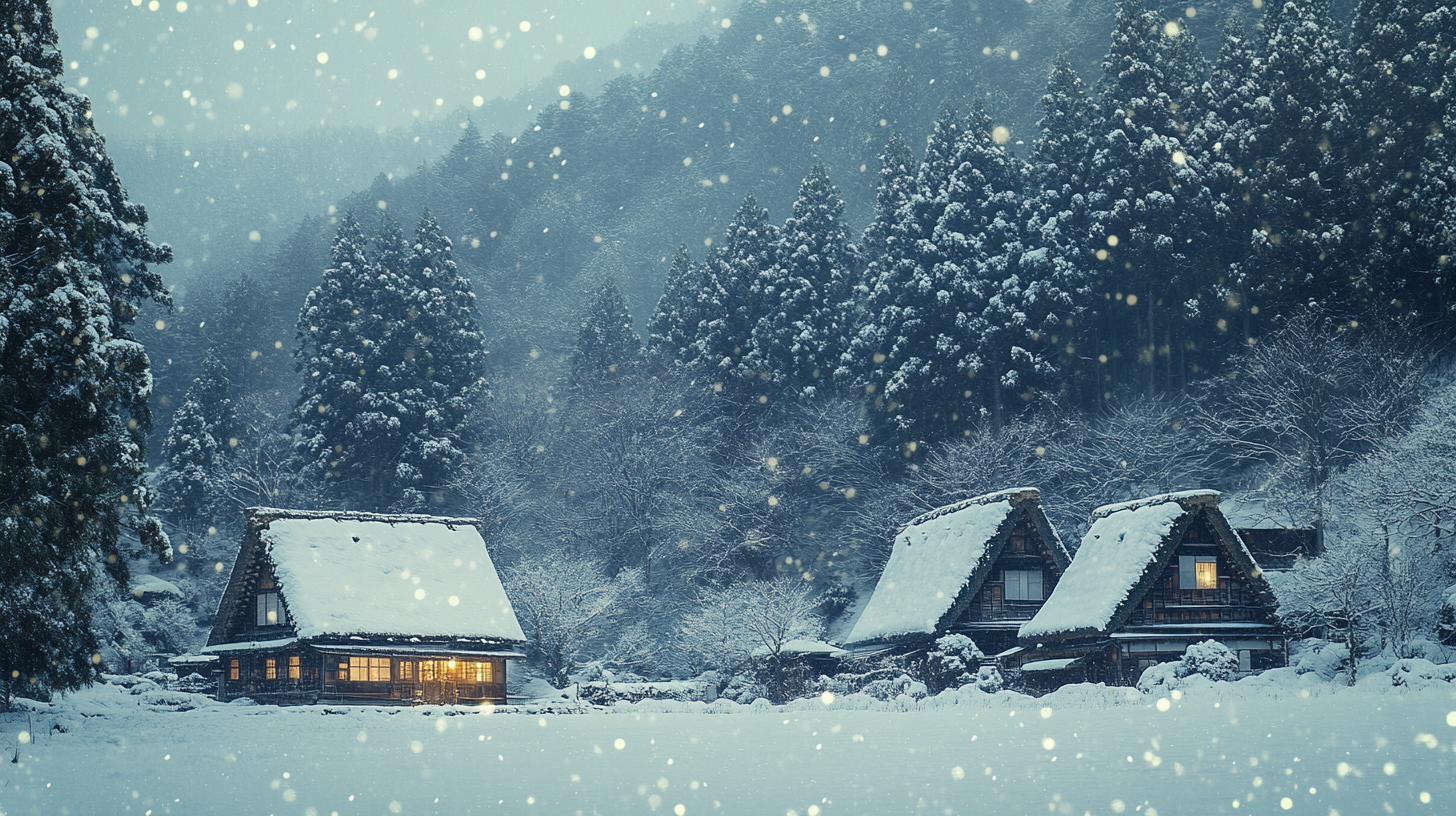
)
(1206, 574)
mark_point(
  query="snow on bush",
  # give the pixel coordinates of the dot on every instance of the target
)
(953, 663)
(1209, 659)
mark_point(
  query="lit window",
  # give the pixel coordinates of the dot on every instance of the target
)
(1197, 572)
(343, 670)
(406, 670)
(293, 667)
(1023, 585)
(270, 669)
(270, 610)
(480, 672)
(233, 670)
(430, 670)
(1207, 573)
(369, 669)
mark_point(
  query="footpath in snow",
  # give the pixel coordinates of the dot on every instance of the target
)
(1283, 743)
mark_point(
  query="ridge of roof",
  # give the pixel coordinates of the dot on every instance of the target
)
(1186, 498)
(1014, 495)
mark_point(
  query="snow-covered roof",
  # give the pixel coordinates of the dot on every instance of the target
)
(408, 575)
(1122, 544)
(932, 561)
(1051, 665)
(802, 646)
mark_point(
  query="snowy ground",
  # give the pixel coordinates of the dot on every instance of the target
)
(1299, 745)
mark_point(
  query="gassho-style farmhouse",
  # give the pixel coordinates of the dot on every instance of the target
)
(363, 607)
(409, 609)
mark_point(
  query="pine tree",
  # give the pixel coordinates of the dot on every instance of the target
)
(805, 298)
(1401, 58)
(863, 363)
(447, 355)
(728, 301)
(1058, 222)
(332, 357)
(674, 324)
(1298, 180)
(74, 259)
(606, 345)
(202, 434)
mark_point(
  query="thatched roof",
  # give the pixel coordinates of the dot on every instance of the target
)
(1122, 555)
(941, 559)
(370, 574)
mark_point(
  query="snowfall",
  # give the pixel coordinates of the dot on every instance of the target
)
(1291, 740)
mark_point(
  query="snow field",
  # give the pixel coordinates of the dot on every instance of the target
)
(1212, 749)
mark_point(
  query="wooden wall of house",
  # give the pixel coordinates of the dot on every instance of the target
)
(1024, 550)
(325, 677)
(1234, 600)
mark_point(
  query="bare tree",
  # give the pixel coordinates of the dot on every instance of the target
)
(568, 606)
(1313, 397)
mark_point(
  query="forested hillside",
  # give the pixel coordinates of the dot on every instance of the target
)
(741, 317)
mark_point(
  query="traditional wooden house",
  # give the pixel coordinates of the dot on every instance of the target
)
(980, 567)
(1151, 577)
(363, 607)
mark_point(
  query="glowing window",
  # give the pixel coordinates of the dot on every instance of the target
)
(293, 666)
(270, 669)
(369, 669)
(233, 670)
(406, 670)
(1206, 573)
(1197, 572)
(481, 672)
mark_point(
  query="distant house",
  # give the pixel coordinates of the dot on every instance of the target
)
(980, 567)
(363, 607)
(1277, 536)
(1151, 577)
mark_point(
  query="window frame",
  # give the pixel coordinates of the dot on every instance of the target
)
(270, 602)
(295, 667)
(270, 668)
(1191, 577)
(1020, 586)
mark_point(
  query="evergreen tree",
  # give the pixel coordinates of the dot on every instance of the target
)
(1299, 180)
(447, 356)
(863, 363)
(74, 259)
(202, 434)
(606, 345)
(674, 324)
(332, 357)
(1149, 209)
(728, 301)
(1402, 61)
(241, 332)
(806, 297)
(1058, 222)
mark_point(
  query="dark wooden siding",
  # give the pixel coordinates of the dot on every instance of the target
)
(1024, 550)
(1232, 601)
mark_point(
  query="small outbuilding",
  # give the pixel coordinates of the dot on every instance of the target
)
(980, 568)
(1151, 577)
(363, 607)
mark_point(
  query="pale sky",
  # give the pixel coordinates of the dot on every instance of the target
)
(220, 68)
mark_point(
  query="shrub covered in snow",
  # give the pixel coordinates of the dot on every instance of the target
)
(952, 663)
(1209, 659)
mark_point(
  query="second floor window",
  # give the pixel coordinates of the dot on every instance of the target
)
(1023, 585)
(270, 610)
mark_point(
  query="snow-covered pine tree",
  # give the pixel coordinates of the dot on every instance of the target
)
(196, 449)
(1149, 208)
(864, 363)
(1300, 188)
(806, 296)
(332, 358)
(988, 319)
(1402, 61)
(906, 310)
(674, 324)
(241, 331)
(1058, 220)
(606, 345)
(74, 259)
(727, 301)
(447, 358)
